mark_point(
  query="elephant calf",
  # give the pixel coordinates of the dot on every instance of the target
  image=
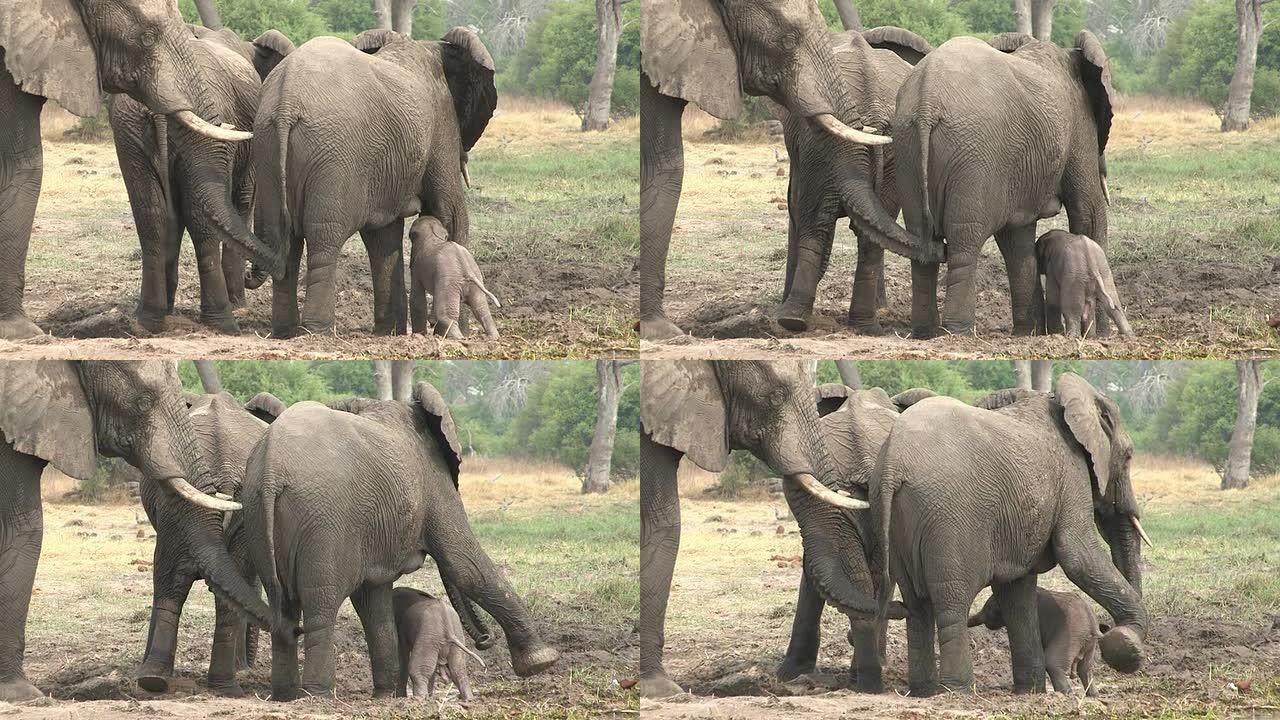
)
(449, 271)
(1077, 281)
(431, 643)
(1068, 632)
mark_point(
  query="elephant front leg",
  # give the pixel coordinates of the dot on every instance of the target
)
(1018, 247)
(1084, 564)
(228, 639)
(659, 545)
(661, 179)
(385, 246)
(21, 174)
(806, 632)
(21, 534)
(215, 304)
(373, 606)
(162, 643)
(1017, 601)
(815, 233)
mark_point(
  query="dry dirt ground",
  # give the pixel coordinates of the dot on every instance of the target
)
(1210, 587)
(1194, 245)
(573, 558)
(555, 226)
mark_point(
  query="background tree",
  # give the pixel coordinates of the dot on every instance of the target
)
(849, 375)
(849, 19)
(1235, 115)
(208, 376)
(1240, 449)
(402, 379)
(382, 379)
(609, 394)
(395, 15)
(608, 28)
(208, 11)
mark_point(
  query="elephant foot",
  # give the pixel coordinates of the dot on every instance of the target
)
(285, 694)
(228, 689)
(534, 660)
(792, 668)
(925, 333)
(383, 693)
(655, 684)
(18, 327)
(962, 329)
(19, 690)
(1029, 689)
(659, 328)
(872, 328)
(1121, 649)
(866, 680)
(152, 679)
(318, 328)
(224, 324)
(255, 277)
(285, 332)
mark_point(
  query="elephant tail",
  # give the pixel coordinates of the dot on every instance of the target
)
(283, 127)
(278, 622)
(881, 497)
(278, 232)
(467, 650)
(925, 127)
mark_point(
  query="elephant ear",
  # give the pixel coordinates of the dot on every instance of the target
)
(681, 407)
(1010, 41)
(265, 406)
(269, 49)
(1092, 63)
(907, 398)
(1082, 408)
(905, 44)
(371, 41)
(47, 50)
(877, 396)
(469, 68)
(431, 407)
(44, 412)
(686, 53)
(831, 397)
(1005, 398)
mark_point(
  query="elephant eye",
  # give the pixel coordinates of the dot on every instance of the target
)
(148, 39)
(143, 403)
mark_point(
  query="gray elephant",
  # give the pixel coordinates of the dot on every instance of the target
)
(226, 432)
(70, 51)
(358, 138)
(201, 191)
(709, 53)
(830, 177)
(990, 138)
(341, 500)
(1077, 284)
(855, 424)
(431, 644)
(700, 411)
(1068, 634)
(448, 271)
(971, 497)
(66, 414)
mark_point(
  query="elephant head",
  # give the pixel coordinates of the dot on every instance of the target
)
(705, 409)
(69, 413)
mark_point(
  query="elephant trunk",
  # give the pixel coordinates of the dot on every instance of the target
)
(833, 554)
(468, 614)
(869, 218)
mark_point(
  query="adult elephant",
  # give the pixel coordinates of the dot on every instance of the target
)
(70, 51)
(340, 500)
(709, 52)
(1024, 139)
(701, 410)
(970, 497)
(208, 191)
(828, 175)
(356, 137)
(66, 414)
(226, 432)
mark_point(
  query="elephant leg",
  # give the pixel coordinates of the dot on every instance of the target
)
(319, 615)
(1076, 549)
(402, 681)
(815, 233)
(1017, 602)
(868, 286)
(806, 631)
(1084, 671)
(1052, 306)
(865, 672)
(960, 307)
(659, 545)
(386, 268)
(322, 268)
(423, 660)
(446, 306)
(922, 662)
(233, 259)
(162, 636)
(285, 680)
(21, 172)
(479, 304)
(419, 309)
(1087, 215)
(228, 639)
(215, 305)
(1018, 246)
(924, 300)
(21, 534)
(136, 150)
(373, 605)
(661, 178)
(1061, 682)
(284, 294)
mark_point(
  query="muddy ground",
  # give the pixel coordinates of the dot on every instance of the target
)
(1194, 247)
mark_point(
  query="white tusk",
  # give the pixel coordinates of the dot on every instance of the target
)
(223, 496)
(869, 129)
(827, 495)
(1141, 533)
(188, 492)
(208, 129)
(1105, 194)
(828, 122)
(465, 177)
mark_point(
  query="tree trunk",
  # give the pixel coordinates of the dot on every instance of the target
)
(849, 15)
(1240, 449)
(1235, 116)
(1042, 375)
(1022, 16)
(403, 20)
(209, 14)
(208, 376)
(609, 385)
(1022, 374)
(608, 27)
(1042, 19)
(382, 14)
(849, 374)
(402, 379)
(382, 379)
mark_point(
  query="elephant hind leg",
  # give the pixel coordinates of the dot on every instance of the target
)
(322, 292)
(21, 175)
(924, 300)
(385, 247)
(21, 535)
(1017, 601)
(868, 286)
(479, 303)
(284, 294)
(1018, 246)
(373, 606)
(922, 662)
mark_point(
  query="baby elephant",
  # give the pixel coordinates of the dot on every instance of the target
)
(449, 272)
(1077, 278)
(1068, 632)
(431, 643)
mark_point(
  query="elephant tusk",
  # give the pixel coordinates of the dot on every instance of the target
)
(224, 496)
(1141, 533)
(208, 129)
(1106, 195)
(465, 177)
(828, 122)
(827, 495)
(188, 492)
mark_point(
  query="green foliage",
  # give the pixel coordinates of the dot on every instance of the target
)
(289, 380)
(559, 57)
(934, 20)
(742, 471)
(251, 18)
(348, 18)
